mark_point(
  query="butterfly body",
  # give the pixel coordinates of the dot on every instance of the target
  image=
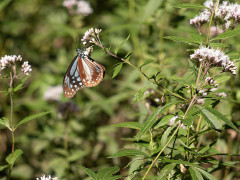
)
(83, 71)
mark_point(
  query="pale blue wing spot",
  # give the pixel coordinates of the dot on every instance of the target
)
(74, 67)
(78, 79)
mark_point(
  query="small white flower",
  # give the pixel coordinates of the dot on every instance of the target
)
(53, 93)
(214, 57)
(172, 122)
(90, 36)
(81, 6)
(200, 101)
(26, 68)
(47, 178)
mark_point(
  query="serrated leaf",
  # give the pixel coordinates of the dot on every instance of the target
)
(90, 173)
(196, 38)
(165, 135)
(5, 122)
(121, 44)
(222, 117)
(196, 175)
(189, 6)
(204, 149)
(132, 125)
(20, 84)
(29, 118)
(180, 162)
(128, 153)
(146, 63)
(117, 70)
(163, 174)
(107, 172)
(139, 95)
(181, 39)
(227, 34)
(220, 45)
(151, 119)
(16, 154)
(206, 174)
(165, 120)
(150, 9)
(212, 120)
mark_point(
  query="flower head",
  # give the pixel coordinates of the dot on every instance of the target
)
(53, 93)
(172, 122)
(47, 178)
(90, 36)
(79, 7)
(214, 57)
(26, 68)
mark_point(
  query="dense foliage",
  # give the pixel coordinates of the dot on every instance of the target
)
(168, 107)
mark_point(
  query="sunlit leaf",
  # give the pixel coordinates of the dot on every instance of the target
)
(5, 122)
(29, 118)
(196, 175)
(117, 70)
(163, 174)
(128, 153)
(20, 84)
(139, 95)
(16, 154)
(107, 172)
(227, 34)
(151, 119)
(90, 173)
(146, 63)
(121, 44)
(132, 125)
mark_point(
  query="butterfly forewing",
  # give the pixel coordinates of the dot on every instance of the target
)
(72, 81)
(90, 71)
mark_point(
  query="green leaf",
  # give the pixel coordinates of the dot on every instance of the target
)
(196, 175)
(163, 174)
(228, 34)
(4, 3)
(117, 70)
(90, 173)
(222, 117)
(151, 119)
(16, 154)
(139, 95)
(220, 45)
(212, 120)
(107, 172)
(206, 174)
(133, 125)
(196, 38)
(3, 167)
(150, 9)
(20, 84)
(128, 153)
(189, 6)
(29, 118)
(122, 43)
(181, 39)
(165, 135)
(146, 63)
(180, 162)
(5, 122)
(165, 120)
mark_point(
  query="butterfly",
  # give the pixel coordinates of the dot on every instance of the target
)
(83, 71)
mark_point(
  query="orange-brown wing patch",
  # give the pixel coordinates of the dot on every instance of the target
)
(90, 71)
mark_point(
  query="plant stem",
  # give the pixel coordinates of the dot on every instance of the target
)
(175, 132)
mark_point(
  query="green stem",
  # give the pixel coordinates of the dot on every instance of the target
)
(175, 132)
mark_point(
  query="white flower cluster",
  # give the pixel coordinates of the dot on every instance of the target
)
(90, 36)
(210, 81)
(225, 11)
(9, 60)
(47, 178)
(214, 57)
(228, 11)
(26, 68)
(172, 122)
(53, 93)
(81, 7)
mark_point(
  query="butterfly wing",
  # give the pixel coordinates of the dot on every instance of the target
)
(72, 81)
(90, 71)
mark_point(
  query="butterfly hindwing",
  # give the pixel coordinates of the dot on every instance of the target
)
(72, 81)
(90, 71)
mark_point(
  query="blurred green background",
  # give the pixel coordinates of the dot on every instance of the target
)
(78, 131)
